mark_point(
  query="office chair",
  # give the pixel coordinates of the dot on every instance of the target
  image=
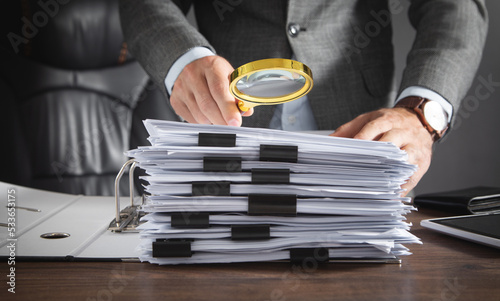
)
(73, 95)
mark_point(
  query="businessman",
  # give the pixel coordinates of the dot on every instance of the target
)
(346, 43)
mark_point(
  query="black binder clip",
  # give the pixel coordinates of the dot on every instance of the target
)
(303, 255)
(272, 204)
(226, 164)
(214, 188)
(172, 248)
(279, 153)
(250, 232)
(215, 139)
(270, 176)
(190, 220)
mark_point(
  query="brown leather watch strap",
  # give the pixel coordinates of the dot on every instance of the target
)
(415, 103)
(410, 102)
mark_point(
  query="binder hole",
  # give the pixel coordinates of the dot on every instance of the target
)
(54, 235)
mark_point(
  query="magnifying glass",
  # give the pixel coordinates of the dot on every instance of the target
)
(270, 82)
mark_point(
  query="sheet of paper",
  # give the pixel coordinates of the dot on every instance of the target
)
(295, 178)
(345, 252)
(299, 220)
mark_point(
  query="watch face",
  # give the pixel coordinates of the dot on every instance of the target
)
(435, 115)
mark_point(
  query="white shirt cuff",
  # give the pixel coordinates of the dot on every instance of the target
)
(192, 55)
(429, 94)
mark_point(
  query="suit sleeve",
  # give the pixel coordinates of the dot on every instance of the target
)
(450, 35)
(157, 34)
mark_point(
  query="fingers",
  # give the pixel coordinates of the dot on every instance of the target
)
(201, 93)
(248, 113)
(399, 126)
(182, 110)
(205, 103)
(218, 83)
(396, 136)
(350, 129)
(418, 145)
(420, 157)
(374, 129)
(188, 109)
(365, 127)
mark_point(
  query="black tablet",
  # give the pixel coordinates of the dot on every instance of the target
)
(484, 229)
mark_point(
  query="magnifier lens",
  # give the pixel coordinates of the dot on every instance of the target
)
(271, 83)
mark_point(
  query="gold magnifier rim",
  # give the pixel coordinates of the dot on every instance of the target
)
(271, 64)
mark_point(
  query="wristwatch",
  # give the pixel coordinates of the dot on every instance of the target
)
(432, 115)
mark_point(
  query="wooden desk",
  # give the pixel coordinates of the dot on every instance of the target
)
(443, 268)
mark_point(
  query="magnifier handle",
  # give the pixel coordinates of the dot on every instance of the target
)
(243, 106)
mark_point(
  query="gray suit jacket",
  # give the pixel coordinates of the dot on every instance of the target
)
(347, 44)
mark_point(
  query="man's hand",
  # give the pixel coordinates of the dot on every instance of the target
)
(201, 93)
(400, 126)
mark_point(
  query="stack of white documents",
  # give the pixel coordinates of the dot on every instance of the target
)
(226, 194)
